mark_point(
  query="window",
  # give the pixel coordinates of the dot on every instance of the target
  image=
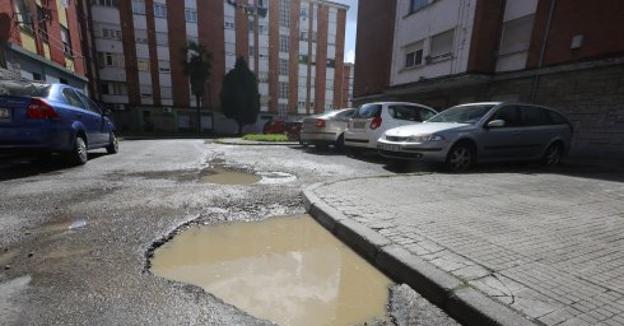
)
(533, 116)
(138, 7)
(160, 10)
(192, 39)
(283, 43)
(162, 38)
(284, 13)
(164, 66)
(108, 59)
(413, 58)
(105, 3)
(283, 67)
(72, 99)
(303, 58)
(442, 45)
(510, 115)
(416, 5)
(369, 111)
(229, 24)
(25, 17)
(283, 90)
(191, 15)
(37, 76)
(90, 105)
(405, 112)
(43, 26)
(282, 109)
(252, 50)
(143, 64)
(252, 25)
(113, 88)
(516, 35)
(331, 39)
(331, 63)
(303, 36)
(109, 33)
(304, 12)
(65, 38)
(140, 36)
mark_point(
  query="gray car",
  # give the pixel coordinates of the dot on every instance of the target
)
(326, 129)
(482, 132)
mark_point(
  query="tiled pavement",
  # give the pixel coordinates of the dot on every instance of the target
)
(550, 246)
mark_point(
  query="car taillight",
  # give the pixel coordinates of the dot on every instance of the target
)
(39, 109)
(319, 123)
(376, 123)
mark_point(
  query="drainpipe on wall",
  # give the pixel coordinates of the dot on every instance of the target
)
(540, 64)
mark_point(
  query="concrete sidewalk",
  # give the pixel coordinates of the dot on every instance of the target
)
(496, 248)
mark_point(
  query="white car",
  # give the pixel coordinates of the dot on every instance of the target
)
(371, 120)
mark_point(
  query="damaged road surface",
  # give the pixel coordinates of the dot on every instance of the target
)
(76, 243)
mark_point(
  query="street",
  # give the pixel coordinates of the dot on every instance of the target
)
(74, 240)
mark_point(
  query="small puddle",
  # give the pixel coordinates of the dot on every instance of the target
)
(289, 270)
(224, 176)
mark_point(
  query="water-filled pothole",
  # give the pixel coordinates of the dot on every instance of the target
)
(289, 270)
(223, 176)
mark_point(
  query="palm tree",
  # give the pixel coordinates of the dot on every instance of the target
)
(197, 67)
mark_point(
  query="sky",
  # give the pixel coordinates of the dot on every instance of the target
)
(351, 29)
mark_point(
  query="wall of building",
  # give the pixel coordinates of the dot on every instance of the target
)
(375, 35)
(47, 49)
(437, 35)
(295, 47)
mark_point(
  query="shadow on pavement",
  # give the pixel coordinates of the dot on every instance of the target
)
(18, 167)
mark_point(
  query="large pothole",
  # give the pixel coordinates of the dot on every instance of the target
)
(289, 270)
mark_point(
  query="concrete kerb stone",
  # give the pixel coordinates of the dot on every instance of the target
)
(462, 302)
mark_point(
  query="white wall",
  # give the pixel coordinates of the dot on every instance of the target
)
(440, 16)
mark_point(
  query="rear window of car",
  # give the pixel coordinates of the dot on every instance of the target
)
(368, 111)
(533, 116)
(26, 89)
(409, 113)
(557, 118)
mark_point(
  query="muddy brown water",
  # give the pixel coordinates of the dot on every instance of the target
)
(289, 270)
(224, 176)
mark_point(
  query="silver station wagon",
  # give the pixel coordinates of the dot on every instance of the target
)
(482, 132)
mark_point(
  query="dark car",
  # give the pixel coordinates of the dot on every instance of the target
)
(46, 118)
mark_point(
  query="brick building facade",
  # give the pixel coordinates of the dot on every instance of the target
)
(564, 54)
(45, 40)
(295, 47)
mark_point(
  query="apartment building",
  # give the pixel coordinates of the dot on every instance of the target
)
(295, 47)
(43, 41)
(566, 54)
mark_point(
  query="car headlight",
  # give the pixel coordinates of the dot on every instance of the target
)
(425, 138)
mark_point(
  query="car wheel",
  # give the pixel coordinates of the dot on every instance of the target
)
(78, 156)
(339, 144)
(113, 147)
(460, 158)
(553, 155)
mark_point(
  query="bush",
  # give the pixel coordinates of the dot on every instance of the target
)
(267, 138)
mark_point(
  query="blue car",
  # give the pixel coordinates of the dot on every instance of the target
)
(50, 118)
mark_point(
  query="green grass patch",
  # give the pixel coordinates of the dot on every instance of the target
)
(268, 137)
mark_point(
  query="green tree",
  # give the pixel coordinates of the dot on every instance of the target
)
(197, 67)
(240, 99)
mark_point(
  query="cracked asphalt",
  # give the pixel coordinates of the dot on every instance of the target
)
(75, 242)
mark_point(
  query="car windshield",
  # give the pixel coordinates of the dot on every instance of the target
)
(23, 88)
(462, 114)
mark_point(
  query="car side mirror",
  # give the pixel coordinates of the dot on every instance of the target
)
(496, 123)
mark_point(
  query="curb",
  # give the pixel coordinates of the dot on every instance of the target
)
(464, 303)
(253, 143)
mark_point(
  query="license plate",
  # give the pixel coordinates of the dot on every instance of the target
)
(5, 114)
(388, 147)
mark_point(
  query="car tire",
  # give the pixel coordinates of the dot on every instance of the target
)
(113, 147)
(78, 155)
(460, 158)
(339, 144)
(552, 156)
